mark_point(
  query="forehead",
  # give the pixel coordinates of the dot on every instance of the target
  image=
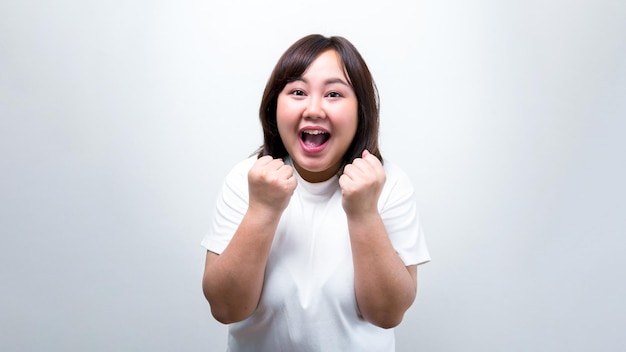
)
(328, 63)
(328, 60)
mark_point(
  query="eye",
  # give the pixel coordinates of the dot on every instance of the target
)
(298, 92)
(334, 95)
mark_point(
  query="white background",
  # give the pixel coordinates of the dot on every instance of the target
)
(119, 120)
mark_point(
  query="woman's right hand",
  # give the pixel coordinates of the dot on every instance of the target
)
(271, 184)
(232, 285)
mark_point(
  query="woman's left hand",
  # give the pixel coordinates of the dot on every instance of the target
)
(361, 185)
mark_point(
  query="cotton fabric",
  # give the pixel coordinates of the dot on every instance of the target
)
(308, 301)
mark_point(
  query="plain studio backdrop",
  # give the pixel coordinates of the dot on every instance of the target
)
(119, 120)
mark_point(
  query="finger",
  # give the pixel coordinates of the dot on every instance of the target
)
(264, 160)
(350, 170)
(363, 165)
(345, 183)
(372, 160)
(276, 164)
(285, 171)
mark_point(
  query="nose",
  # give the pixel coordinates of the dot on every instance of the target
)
(315, 108)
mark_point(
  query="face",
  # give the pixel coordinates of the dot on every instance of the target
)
(317, 118)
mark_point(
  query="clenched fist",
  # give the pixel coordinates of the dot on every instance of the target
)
(271, 184)
(361, 185)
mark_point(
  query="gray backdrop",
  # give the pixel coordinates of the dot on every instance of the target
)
(119, 120)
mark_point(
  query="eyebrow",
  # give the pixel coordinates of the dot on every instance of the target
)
(327, 82)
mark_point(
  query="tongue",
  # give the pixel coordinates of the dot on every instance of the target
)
(314, 140)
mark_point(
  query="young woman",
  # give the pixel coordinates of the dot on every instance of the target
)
(315, 243)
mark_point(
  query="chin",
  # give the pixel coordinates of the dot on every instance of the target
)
(318, 168)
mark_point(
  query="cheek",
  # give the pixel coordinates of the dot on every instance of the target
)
(281, 113)
(285, 122)
(349, 123)
(284, 112)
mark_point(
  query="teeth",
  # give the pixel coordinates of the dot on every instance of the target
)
(313, 132)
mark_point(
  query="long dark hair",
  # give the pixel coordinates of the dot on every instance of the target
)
(292, 65)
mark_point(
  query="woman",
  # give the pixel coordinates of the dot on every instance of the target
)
(315, 244)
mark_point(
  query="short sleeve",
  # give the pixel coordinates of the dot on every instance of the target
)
(230, 207)
(399, 212)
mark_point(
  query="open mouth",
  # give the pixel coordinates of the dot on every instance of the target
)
(313, 140)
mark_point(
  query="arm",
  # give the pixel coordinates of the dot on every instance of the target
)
(385, 288)
(233, 280)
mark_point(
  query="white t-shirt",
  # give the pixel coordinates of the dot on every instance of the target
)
(308, 301)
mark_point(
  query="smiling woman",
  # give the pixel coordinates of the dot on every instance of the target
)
(351, 77)
(317, 117)
(315, 244)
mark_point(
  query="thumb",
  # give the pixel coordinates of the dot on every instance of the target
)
(365, 153)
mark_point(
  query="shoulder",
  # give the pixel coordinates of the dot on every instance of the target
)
(398, 185)
(237, 177)
(241, 168)
(395, 173)
(245, 164)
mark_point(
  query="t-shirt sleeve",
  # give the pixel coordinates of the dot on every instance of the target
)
(401, 218)
(230, 206)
